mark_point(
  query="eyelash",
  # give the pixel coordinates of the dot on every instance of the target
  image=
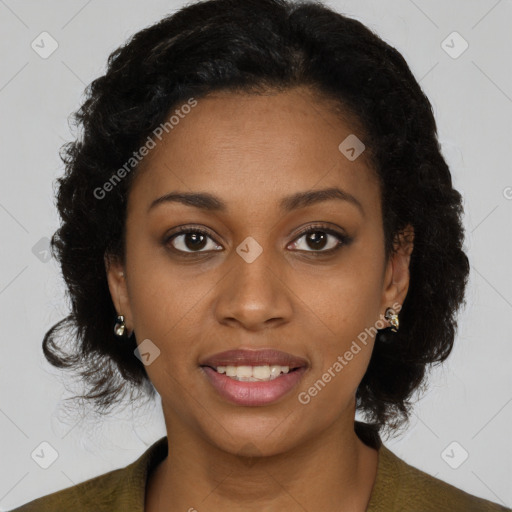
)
(342, 238)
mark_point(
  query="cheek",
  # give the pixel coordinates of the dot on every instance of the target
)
(342, 319)
(159, 295)
(343, 303)
(165, 312)
(167, 306)
(331, 388)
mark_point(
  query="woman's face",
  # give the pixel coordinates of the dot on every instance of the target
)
(253, 280)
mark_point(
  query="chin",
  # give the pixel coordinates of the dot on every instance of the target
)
(256, 437)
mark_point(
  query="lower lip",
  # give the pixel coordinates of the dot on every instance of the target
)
(253, 393)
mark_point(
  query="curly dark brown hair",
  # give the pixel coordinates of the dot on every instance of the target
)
(251, 46)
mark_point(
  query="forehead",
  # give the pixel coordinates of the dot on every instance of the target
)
(255, 149)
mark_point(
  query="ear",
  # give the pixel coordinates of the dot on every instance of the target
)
(116, 277)
(396, 280)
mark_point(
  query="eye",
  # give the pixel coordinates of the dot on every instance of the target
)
(191, 240)
(317, 239)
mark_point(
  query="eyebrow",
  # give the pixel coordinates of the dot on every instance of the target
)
(209, 202)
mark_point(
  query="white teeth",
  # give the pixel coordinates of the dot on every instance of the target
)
(230, 371)
(243, 372)
(253, 373)
(261, 372)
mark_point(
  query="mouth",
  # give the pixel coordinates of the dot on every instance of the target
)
(253, 377)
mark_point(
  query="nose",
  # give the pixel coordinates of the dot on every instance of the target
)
(254, 294)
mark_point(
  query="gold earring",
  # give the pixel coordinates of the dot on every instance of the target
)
(120, 326)
(392, 318)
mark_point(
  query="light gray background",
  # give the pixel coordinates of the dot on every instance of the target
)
(469, 399)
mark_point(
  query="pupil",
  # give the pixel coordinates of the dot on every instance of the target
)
(196, 242)
(317, 238)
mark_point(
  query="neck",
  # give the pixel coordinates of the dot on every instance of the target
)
(333, 470)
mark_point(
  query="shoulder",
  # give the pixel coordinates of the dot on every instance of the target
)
(98, 493)
(118, 490)
(408, 488)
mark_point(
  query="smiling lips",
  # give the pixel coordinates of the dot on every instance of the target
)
(253, 377)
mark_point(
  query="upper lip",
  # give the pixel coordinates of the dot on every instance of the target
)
(260, 357)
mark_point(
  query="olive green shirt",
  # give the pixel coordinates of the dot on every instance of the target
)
(398, 487)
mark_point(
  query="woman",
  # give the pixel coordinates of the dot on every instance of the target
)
(258, 224)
